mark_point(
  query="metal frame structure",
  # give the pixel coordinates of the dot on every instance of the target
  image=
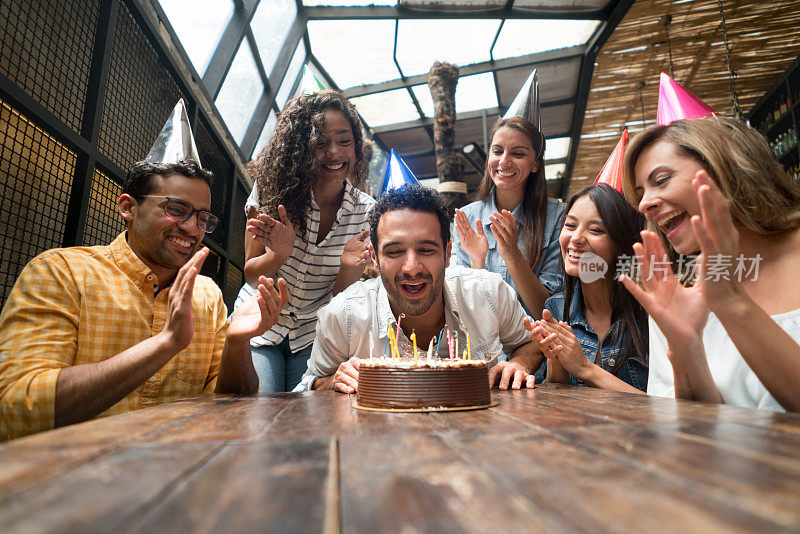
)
(238, 29)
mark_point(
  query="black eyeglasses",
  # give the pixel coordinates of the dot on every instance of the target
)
(180, 210)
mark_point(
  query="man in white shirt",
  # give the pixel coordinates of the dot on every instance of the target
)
(410, 234)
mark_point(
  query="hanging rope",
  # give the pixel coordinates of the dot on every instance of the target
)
(640, 85)
(737, 112)
(666, 20)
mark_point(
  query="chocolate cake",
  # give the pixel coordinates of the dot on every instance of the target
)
(404, 384)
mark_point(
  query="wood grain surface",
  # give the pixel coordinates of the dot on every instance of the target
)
(553, 459)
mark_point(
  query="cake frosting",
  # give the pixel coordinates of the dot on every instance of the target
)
(406, 384)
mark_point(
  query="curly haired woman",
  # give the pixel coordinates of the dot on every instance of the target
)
(307, 224)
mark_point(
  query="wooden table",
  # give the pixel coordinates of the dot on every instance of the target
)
(556, 458)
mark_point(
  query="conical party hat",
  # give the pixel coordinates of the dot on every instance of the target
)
(526, 103)
(310, 84)
(175, 142)
(397, 174)
(675, 102)
(612, 170)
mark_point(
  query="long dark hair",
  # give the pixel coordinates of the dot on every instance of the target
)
(534, 200)
(286, 168)
(623, 224)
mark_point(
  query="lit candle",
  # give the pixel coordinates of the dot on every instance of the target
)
(414, 344)
(464, 355)
(390, 336)
(430, 349)
(397, 336)
(469, 348)
(449, 344)
(456, 336)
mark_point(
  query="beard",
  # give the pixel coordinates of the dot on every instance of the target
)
(415, 307)
(155, 247)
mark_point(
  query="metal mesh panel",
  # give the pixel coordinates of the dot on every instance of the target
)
(103, 221)
(214, 159)
(139, 97)
(233, 283)
(46, 49)
(237, 222)
(36, 174)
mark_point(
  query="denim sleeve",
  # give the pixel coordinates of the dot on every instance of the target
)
(549, 268)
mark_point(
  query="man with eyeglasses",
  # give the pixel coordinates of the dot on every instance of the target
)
(90, 331)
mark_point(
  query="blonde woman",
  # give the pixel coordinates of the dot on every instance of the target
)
(712, 187)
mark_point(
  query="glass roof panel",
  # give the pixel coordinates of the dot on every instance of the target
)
(566, 5)
(556, 148)
(341, 3)
(452, 4)
(551, 171)
(472, 93)
(521, 37)
(271, 23)
(354, 52)
(199, 25)
(384, 108)
(266, 133)
(463, 42)
(240, 92)
(298, 59)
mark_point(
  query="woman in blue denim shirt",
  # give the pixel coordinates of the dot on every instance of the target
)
(512, 229)
(594, 332)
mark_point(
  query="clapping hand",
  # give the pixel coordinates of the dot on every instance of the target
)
(473, 242)
(179, 325)
(259, 313)
(356, 252)
(278, 236)
(504, 229)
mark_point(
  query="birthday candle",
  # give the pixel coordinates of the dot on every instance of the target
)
(464, 355)
(430, 349)
(469, 348)
(397, 335)
(371, 346)
(450, 344)
(390, 335)
(438, 341)
(414, 341)
(456, 336)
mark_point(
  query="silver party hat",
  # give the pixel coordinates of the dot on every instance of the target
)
(526, 103)
(175, 142)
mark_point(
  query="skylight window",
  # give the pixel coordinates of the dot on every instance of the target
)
(472, 93)
(271, 24)
(354, 52)
(462, 42)
(266, 133)
(389, 107)
(199, 25)
(298, 59)
(240, 92)
(556, 148)
(522, 37)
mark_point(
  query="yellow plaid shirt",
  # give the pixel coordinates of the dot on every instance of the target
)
(80, 305)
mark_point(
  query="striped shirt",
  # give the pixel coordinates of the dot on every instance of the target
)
(82, 305)
(311, 269)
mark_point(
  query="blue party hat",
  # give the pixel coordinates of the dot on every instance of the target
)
(397, 174)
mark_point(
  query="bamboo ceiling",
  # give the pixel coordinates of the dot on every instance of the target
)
(764, 39)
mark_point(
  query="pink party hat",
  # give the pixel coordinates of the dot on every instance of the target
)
(612, 170)
(675, 102)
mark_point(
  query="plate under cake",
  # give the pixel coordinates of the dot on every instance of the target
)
(408, 385)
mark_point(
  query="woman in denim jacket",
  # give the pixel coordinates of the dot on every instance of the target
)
(512, 229)
(594, 332)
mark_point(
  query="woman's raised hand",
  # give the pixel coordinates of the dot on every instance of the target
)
(473, 242)
(278, 236)
(356, 252)
(504, 229)
(680, 312)
(719, 245)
